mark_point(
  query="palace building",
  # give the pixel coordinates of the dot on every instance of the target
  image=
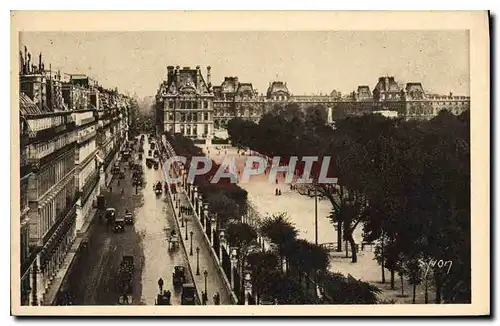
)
(180, 102)
(184, 103)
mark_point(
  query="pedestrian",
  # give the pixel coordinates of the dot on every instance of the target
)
(279, 192)
(160, 284)
(123, 191)
(203, 302)
(276, 191)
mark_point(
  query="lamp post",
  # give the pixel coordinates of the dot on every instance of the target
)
(197, 261)
(191, 247)
(315, 214)
(186, 224)
(182, 220)
(205, 273)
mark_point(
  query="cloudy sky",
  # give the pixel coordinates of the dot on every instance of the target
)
(310, 62)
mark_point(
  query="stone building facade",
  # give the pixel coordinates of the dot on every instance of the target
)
(59, 171)
(239, 99)
(184, 103)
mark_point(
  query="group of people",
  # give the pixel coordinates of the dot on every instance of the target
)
(163, 298)
(204, 298)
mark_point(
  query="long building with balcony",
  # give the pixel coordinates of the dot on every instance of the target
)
(186, 104)
(61, 163)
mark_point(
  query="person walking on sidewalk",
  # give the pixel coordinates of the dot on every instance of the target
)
(217, 298)
(160, 284)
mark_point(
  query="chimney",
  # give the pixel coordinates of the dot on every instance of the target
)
(177, 76)
(451, 94)
(209, 75)
(198, 74)
(29, 60)
(21, 63)
(170, 73)
(40, 62)
(25, 71)
(386, 83)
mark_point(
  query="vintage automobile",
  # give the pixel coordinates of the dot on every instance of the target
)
(158, 188)
(125, 277)
(137, 181)
(178, 276)
(119, 224)
(129, 218)
(163, 299)
(188, 295)
(110, 215)
(173, 239)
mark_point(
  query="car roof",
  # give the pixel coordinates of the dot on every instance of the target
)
(110, 209)
(119, 219)
(188, 285)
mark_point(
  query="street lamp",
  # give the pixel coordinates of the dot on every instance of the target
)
(191, 248)
(186, 230)
(182, 220)
(205, 273)
(197, 261)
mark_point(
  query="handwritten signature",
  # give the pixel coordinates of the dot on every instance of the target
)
(441, 264)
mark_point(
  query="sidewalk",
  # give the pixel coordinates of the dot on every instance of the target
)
(50, 296)
(215, 277)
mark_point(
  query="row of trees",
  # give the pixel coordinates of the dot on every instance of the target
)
(407, 183)
(288, 271)
(225, 199)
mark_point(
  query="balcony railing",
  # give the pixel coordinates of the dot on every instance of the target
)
(87, 120)
(90, 183)
(84, 138)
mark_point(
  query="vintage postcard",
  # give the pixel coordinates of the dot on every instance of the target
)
(259, 163)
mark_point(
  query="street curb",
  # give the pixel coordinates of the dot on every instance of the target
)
(184, 248)
(234, 299)
(212, 252)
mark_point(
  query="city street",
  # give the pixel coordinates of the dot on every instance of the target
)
(93, 279)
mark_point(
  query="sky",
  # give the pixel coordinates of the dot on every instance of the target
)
(309, 62)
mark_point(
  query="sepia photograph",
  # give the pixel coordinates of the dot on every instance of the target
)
(303, 168)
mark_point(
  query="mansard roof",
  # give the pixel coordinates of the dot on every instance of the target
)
(387, 84)
(277, 86)
(27, 106)
(185, 80)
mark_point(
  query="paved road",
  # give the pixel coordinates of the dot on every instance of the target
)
(93, 279)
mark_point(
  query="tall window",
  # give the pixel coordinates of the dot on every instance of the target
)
(195, 105)
(205, 116)
(205, 105)
(171, 104)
